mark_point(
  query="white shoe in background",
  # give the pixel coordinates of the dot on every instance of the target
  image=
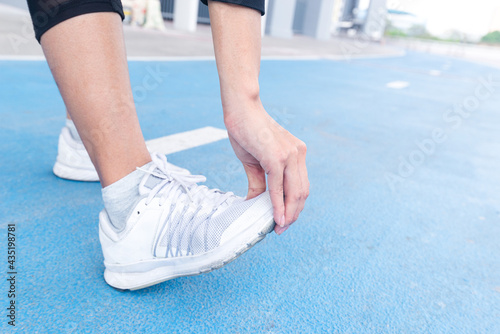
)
(73, 161)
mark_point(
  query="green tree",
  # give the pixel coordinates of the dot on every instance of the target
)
(492, 37)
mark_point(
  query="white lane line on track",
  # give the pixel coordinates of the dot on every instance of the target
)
(397, 84)
(186, 140)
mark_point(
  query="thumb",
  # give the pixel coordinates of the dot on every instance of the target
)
(256, 180)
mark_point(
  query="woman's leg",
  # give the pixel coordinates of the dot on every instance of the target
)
(86, 55)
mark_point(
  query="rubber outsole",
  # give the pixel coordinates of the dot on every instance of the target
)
(111, 276)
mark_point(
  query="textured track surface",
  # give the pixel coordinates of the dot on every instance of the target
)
(418, 253)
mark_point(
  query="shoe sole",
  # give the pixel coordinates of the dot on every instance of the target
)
(75, 174)
(214, 259)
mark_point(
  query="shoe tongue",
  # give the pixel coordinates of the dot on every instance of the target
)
(153, 180)
(150, 181)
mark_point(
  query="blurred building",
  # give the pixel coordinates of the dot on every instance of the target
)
(284, 18)
(495, 20)
(360, 18)
(167, 8)
(322, 18)
(404, 21)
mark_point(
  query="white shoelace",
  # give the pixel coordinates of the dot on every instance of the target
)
(176, 186)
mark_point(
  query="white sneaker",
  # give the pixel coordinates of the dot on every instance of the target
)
(73, 161)
(179, 228)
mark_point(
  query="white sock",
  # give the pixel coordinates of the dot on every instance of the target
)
(121, 197)
(72, 129)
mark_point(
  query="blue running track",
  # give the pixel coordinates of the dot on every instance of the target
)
(401, 233)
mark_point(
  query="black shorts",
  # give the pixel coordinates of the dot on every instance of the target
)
(255, 4)
(47, 13)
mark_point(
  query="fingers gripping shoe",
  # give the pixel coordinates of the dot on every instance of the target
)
(73, 161)
(180, 229)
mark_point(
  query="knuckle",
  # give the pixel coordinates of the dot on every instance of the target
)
(276, 190)
(267, 165)
(294, 152)
(306, 189)
(302, 147)
(281, 159)
(306, 194)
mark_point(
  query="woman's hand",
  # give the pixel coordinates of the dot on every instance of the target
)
(261, 144)
(264, 147)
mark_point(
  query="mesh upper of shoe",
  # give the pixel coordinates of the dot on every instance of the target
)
(196, 217)
(195, 232)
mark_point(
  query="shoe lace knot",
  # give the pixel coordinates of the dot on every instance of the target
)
(174, 184)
